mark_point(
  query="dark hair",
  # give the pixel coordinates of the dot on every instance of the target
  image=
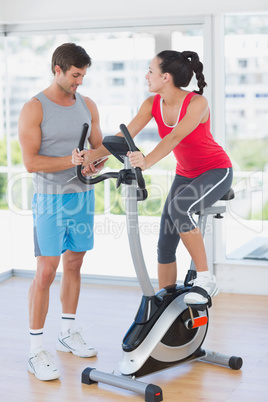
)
(68, 55)
(182, 66)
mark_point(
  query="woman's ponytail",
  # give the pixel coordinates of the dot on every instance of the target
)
(197, 68)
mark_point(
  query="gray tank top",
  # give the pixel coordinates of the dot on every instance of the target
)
(61, 130)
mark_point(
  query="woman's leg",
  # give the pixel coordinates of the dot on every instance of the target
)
(167, 274)
(169, 239)
(202, 192)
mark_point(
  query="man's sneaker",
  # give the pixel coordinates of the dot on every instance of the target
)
(41, 365)
(208, 283)
(72, 341)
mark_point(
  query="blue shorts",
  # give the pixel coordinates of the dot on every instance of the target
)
(63, 222)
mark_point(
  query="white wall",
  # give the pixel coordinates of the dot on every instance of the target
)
(28, 11)
(2, 11)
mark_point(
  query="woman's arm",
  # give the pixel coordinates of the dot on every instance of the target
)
(142, 118)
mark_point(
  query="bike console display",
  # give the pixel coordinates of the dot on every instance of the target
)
(117, 146)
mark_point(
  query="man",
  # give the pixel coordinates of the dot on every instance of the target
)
(50, 125)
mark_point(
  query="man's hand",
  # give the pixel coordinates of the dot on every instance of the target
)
(86, 158)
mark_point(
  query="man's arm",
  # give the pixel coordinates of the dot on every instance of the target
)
(30, 141)
(95, 136)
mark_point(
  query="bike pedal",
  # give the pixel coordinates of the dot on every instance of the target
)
(199, 322)
(199, 307)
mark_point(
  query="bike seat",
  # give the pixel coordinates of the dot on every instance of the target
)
(228, 196)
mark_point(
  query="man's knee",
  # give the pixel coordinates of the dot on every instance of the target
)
(73, 260)
(46, 271)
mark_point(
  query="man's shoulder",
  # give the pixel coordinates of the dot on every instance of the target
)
(85, 98)
(32, 109)
(89, 103)
(34, 102)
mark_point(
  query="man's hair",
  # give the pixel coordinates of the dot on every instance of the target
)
(68, 55)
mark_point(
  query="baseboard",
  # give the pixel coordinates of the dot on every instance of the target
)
(244, 277)
(85, 278)
(5, 275)
(232, 277)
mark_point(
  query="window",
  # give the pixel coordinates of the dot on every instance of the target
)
(118, 66)
(246, 49)
(242, 63)
(5, 234)
(3, 137)
(116, 82)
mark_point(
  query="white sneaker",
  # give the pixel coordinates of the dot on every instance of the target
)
(209, 284)
(72, 341)
(41, 365)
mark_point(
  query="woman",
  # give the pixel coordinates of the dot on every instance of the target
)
(203, 171)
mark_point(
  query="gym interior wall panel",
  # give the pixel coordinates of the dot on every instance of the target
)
(97, 25)
(6, 242)
(21, 246)
(2, 13)
(28, 11)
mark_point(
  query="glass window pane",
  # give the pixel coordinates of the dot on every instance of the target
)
(2, 91)
(246, 53)
(3, 189)
(33, 55)
(120, 60)
(116, 82)
(3, 138)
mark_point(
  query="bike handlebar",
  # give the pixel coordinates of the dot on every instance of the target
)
(132, 148)
(110, 175)
(91, 180)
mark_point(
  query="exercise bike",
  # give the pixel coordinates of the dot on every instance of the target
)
(165, 331)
